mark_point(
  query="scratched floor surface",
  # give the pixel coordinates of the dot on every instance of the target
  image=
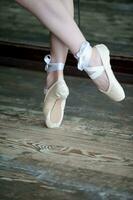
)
(89, 158)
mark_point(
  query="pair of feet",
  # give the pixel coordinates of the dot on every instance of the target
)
(101, 82)
(99, 70)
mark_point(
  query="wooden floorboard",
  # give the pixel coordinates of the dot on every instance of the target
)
(89, 157)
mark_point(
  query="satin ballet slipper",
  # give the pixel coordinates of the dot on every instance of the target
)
(55, 97)
(115, 90)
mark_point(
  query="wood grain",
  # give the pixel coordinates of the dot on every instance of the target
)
(89, 157)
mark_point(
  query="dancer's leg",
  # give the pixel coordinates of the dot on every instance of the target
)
(58, 20)
(58, 49)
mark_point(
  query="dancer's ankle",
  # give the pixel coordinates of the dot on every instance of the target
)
(95, 59)
(88, 58)
(54, 70)
(52, 77)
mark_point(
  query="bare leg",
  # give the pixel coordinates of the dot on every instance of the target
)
(59, 50)
(59, 21)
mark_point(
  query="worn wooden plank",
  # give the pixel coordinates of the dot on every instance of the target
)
(89, 157)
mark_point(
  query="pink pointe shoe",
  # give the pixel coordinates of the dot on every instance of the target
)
(55, 97)
(115, 91)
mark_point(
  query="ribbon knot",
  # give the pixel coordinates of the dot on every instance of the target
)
(47, 60)
(84, 55)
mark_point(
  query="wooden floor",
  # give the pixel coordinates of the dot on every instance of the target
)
(89, 158)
